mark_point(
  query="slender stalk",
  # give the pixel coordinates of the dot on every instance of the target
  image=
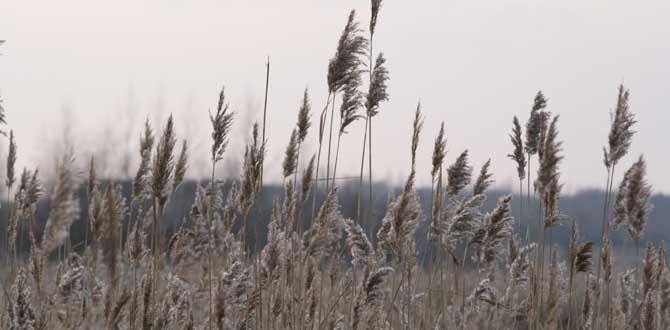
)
(296, 216)
(154, 247)
(463, 278)
(428, 254)
(315, 184)
(337, 154)
(330, 138)
(604, 232)
(528, 202)
(539, 267)
(360, 178)
(265, 112)
(209, 246)
(368, 121)
(370, 201)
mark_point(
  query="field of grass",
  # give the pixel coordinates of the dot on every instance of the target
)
(314, 268)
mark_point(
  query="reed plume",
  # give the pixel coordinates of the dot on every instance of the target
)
(459, 175)
(63, 207)
(532, 145)
(648, 270)
(484, 180)
(162, 171)
(303, 125)
(358, 243)
(221, 121)
(636, 199)
(518, 155)
(289, 164)
(344, 65)
(20, 307)
(114, 211)
(533, 125)
(143, 171)
(417, 126)
(619, 141)
(11, 160)
(254, 154)
(435, 226)
(305, 188)
(496, 228)
(344, 71)
(352, 100)
(621, 133)
(377, 92)
(180, 167)
(583, 258)
(550, 158)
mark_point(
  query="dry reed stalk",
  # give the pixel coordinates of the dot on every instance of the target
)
(344, 71)
(619, 141)
(265, 114)
(519, 157)
(221, 122)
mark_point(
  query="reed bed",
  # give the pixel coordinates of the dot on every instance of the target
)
(328, 271)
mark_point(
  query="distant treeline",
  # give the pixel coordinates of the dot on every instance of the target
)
(585, 207)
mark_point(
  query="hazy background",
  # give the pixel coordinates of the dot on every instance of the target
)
(90, 72)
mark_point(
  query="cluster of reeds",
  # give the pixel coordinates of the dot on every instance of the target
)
(327, 271)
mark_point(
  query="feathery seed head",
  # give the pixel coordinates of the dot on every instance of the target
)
(439, 151)
(377, 90)
(141, 178)
(11, 160)
(63, 207)
(345, 64)
(533, 126)
(352, 100)
(549, 155)
(358, 243)
(459, 174)
(221, 121)
(638, 191)
(290, 155)
(518, 155)
(180, 168)
(304, 117)
(621, 133)
(163, 163)
(375, 6)
(483, 180)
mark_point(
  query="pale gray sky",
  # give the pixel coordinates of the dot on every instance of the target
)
(473, 64)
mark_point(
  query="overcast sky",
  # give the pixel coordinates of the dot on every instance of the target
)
(97, 69)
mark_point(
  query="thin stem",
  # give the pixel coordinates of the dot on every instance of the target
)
(209, 245)
(337, 154)
(265, 112)
(370, 201)
(603, 233)
(360, 178)
(330, 138)
(528, 203)
(315, 184)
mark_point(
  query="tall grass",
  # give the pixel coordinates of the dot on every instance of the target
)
(478, 273)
